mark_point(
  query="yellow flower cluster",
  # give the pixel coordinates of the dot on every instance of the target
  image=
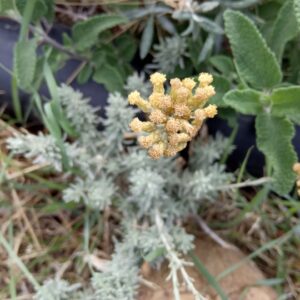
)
(297, 171)
(174, 118)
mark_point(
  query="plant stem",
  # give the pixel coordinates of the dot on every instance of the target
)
(175, 263)
(212, 234)
(246, 183)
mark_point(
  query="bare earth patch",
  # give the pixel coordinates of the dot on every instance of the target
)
(237, 285)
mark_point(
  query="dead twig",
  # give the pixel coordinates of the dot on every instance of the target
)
(212, 234)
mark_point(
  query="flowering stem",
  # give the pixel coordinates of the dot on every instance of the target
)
(175, 262)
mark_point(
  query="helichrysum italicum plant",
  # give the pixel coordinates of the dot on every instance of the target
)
(157, 195)
(41, 148)
(56, 289)
(80, 113)
(120, 280)
(203, 154)
(136, 82)
(297, 171)
(118, 116)
(174, 118)
(169, 54)
(97, 192)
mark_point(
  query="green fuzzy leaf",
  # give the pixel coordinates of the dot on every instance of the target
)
(244, 101)
(194, 47)
(25, 62)
(41, 8)
(86, 33)
(297, 11)
(222, 63)
(274, 139)
(147, 37)
(285, 29)
(49, 9)
(126, 46)
(110, 77)
(222, 86)
(255, 61)
(286, 102)
(85, 74)
(6, 5)
(228, 114)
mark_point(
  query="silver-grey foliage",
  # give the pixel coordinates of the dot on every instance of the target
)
(107, 171)
(170, 53)
(42, 149)
(96, 193)
(136, 82)
(121, 277)
(118, 117)
(79, 112)
(56, 289)
(205, 153)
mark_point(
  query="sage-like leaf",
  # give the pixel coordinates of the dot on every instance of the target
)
(256, 63)
(25, 62)
(244, 101)
(285, 29)
(274, 139)
(297, 11)
(110, 77)
(286, 102)
(86, 33)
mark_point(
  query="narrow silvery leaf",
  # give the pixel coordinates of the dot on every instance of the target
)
(207, 48)
(189, 29)
(147, 37)
(156, 9)
(207, 6)
(208, 25)
(166, 24)
(181, 15)
(239, 4)
(136, 13)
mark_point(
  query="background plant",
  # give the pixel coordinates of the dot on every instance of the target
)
(262, 93)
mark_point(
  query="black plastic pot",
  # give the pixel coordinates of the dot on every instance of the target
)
(9, 33)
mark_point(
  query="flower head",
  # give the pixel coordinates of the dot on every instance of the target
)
(205, 79)
(174, 118)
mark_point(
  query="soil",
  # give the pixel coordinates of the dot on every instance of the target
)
(240, 284)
